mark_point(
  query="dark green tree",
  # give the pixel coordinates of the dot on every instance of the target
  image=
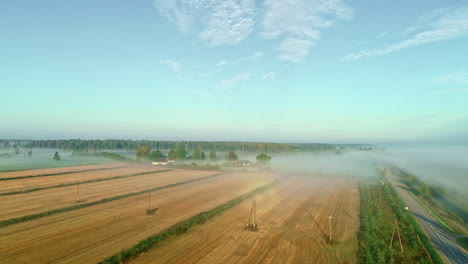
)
(197, 154)
(172, 154)
(157, 154)
(232, 155)
(425, 191)
(57, 156)
(181, 153)
(142, 153)
(203, 155)
(263, 158)
(212, 155)
(30, 153)
(16, 149)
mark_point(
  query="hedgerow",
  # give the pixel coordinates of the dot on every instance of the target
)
(105, 200)
(81, 182)
(180, 228)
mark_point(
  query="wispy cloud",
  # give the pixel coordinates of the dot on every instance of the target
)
(455, 82)
(201, 93)
(440, 25)
(213, 22)
(454, 90)
(253, 57)
(175, 66)
(206, 74)
(232, 82)
(297, 24)
(455, 78)
(269, 76)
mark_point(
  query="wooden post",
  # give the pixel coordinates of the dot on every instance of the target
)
(78, 192)
(330, 222)
(149, 200)
(391, 241)
(380, 195)
(399, 238)
(23, 185)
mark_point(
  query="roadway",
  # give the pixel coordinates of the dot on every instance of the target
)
(443, 241)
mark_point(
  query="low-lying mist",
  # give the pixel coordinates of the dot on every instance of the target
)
(445, 167)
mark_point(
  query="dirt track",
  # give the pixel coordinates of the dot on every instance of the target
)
(287, 232)
(90, 234)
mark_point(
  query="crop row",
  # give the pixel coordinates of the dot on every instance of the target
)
(105, 200)
(180, 228)
(81, 182)
(58, 173)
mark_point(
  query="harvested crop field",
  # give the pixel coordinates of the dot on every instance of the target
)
(23, 173)
(287, 232)
(90, 234)
(50, 199)
(40, 182)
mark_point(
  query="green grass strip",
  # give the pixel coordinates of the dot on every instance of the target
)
(429, 210)
(180, 228)
(55, 174)
(81, 182)
(463, 241)
(417, 228)
(105, 200)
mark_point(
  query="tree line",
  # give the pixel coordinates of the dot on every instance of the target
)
(118, 144)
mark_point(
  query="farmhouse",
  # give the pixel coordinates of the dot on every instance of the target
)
(242, 163)
(161, 161)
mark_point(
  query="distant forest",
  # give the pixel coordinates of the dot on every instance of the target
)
(117, 144)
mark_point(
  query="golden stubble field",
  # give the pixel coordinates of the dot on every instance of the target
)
(89, 235)
(287, 232)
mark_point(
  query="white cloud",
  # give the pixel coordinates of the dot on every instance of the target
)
(201, 93)
(175, 66)
(455, 90)
(207, 74)
(441, 24)
(297, 23)
(456, 82)
(455, 78)
(269, 76)
(234, 81)
(252, 57)
(382, 35)
(213, 22)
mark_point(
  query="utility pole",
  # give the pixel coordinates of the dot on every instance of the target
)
(330, 223)
(391, 241)
(252, 225)
(399, 238)
(78, 192)
(149, 200)
(380, 195)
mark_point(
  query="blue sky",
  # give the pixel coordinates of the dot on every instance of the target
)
(284, 70)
